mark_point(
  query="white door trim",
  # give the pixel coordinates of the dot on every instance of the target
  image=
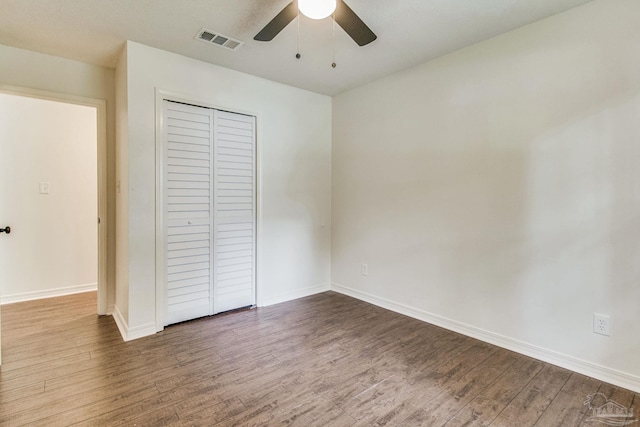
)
(162, 95)
(101, 115)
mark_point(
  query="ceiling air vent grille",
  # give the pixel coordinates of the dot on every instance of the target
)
(212, 37)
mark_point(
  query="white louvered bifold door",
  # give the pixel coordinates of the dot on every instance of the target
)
(188, 211)
(234, 211)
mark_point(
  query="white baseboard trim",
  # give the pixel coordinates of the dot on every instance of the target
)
(129, 334)
(288, 296)
(594, 370)
(120, 322)
(48, 293)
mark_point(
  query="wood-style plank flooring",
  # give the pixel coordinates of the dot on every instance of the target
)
(324, 360)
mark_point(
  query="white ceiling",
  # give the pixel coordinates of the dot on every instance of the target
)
(409, 32)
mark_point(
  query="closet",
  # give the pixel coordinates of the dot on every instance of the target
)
(208, 218)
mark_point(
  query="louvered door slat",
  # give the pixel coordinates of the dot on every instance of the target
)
(194, 244)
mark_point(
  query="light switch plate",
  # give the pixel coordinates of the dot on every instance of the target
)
(45, 188)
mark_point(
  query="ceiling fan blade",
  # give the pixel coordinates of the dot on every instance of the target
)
(278, 23)
(353, 25)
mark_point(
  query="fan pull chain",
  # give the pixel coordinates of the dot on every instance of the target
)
(298, 38)
(333, 64)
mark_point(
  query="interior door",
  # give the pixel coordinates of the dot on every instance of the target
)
(209, 183)
(235, 211)
(188, 205)
(3, 230)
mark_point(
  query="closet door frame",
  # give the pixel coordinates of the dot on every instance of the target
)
(161, 245)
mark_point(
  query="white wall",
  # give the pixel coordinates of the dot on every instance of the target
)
(294, 150)
(27, 69)
(495, 190)
(53, 247)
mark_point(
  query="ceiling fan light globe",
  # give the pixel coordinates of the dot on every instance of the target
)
(317, 9)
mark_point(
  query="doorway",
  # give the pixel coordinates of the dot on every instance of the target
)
(53, 193)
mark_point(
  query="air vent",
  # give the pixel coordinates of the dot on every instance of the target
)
(212, 37)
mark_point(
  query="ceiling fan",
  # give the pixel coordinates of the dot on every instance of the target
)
(319, 9)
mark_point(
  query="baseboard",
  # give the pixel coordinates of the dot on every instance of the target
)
(49, 293)
(120, 322)
(288, 296)
(602, 373)
(129, 334)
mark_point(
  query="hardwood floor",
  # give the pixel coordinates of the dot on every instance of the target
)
(325, 360)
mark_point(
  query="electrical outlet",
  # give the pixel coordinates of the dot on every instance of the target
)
(364, 270)
(601, 324)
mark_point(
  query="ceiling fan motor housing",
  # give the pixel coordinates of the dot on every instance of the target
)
(317, 9)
